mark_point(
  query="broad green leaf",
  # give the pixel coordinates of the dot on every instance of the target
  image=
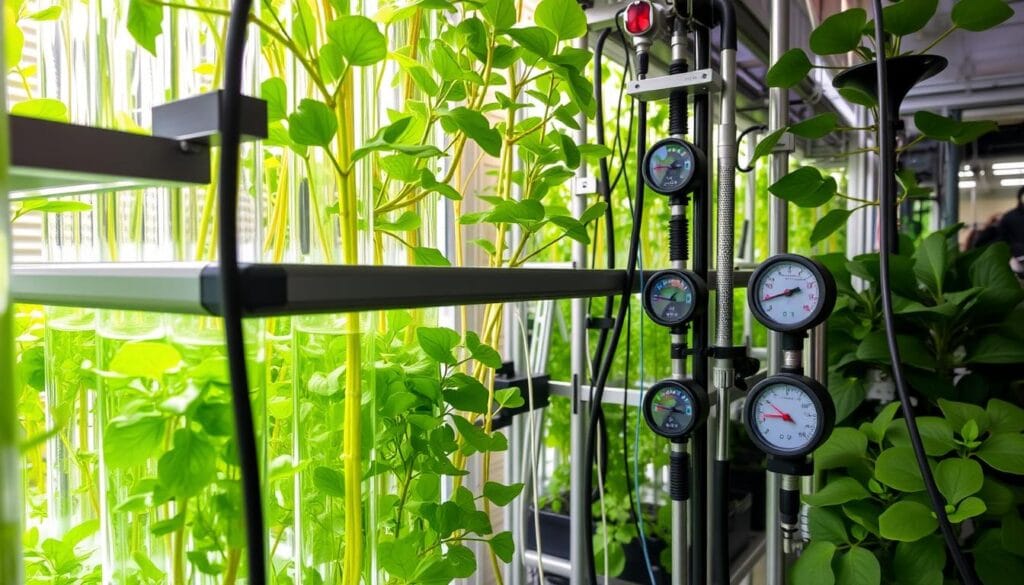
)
(188, 467)
(995, 349)
(864, 513)
(593, 212)
(998, 498)
(14, 39)
(907, 521)
(839, 33)
(958, 478)
(858, 566)
(1005, 452)
(798, 186)
(501, 14)
(54, 206)
(329, 482)
(913, 350)
(51, 13)
(130, 440)
(767, 144)
(509, 398)
(1013, 534)
(408, 221)
(908, 16)
(969, 508)
(312, 124)
(789, 70)
(856, 96)
(521, 212)
(395, 558)
(931, 262)
(42, 109)
(846, 447)
(565, 18)
(594, 151)
(919, 562)
(145, 359)
(816, 126)
(482, 352)
(503, 545)
(426, 256)
(972, 130)
(1004, 417)
(537, 40)
(896, 467)
(832, 222)
(991, 561)
(827, 524)
(432, 185)
(476, 127)
(145, 23)
(358, 40)
(476, 439)
(500, 494)
(935, 126)
(837, 491)
(936, 434)
(572, 228)
(958, 413)
(467, 394)
(980, 15)
(274, 91)
(814, 567)
(438, 343)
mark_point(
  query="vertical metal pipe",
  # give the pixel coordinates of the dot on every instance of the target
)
(10, 460)
(951, 194)
(578, 501)
(679, 535)
(701, 259)
(778, 117)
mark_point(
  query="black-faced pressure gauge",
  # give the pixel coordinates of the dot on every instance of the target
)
(674, 408)
(789, 416)
(673, 297)
(790, 293)
(673, 167)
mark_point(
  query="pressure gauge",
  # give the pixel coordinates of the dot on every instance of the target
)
(674, 408)
(789, 416)
(672, 167)
(790, 293)
(673, 297)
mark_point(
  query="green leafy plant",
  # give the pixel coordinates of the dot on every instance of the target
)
(850, 32)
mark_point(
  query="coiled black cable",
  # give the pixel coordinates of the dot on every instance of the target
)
(887, 196)
(230, 287)
(739, 141)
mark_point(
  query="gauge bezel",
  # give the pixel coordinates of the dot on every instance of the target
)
(698, 396)
(822, 403)
(699, 163)
(826, 288)
(700, 296)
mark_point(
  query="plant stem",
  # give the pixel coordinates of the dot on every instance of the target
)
(938, 40)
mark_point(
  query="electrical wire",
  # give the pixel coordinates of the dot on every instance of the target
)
(532, 443)
(230, 293)
(887, 195)
(639, 516)
(739, 142)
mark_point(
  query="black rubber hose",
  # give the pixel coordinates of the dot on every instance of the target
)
(720, 522)
(620, 319)
(230, 287)
(605, 186)
(726, 13)
(887, 196)
(739, 141)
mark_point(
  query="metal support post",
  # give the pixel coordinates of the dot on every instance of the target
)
(950, 207)
(778, 117)
(579, 501)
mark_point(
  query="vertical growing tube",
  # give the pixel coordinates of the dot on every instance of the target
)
(10, 473)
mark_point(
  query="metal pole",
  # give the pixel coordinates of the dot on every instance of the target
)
(778, 117)
(10, 460)
(578, 501)
(951, 194)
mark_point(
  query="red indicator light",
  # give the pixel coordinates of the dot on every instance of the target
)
(639, 18)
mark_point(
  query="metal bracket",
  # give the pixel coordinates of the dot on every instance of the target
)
(785, 144)
(583, 186)
(659, 88)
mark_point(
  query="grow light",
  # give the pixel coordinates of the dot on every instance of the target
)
(1008, 165)
(1005, 172)
(968, 184)
(1012, 182)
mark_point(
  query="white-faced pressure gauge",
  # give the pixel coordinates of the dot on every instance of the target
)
(674, 408)
(790, 293)
(673, 166)
(673, 297)
(789, 416)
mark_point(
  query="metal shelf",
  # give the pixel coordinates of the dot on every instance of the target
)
(293, 289)
(51, 159)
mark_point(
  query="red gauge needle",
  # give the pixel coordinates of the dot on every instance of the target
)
(784, 416)
(786, 293)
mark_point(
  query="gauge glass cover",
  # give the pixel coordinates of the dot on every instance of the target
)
(670, 167)
(671, 298)
(786, 418)
(671, 410)
(789, 293)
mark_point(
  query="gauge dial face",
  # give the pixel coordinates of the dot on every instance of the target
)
(671, 409)
(670, 167)
(670, 298)
(786, 418)
(788, 294)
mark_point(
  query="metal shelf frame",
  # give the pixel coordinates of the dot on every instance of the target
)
(292, 289)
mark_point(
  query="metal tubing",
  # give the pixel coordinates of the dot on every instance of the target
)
(778, 117)
(579, 501)
(679, 536)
